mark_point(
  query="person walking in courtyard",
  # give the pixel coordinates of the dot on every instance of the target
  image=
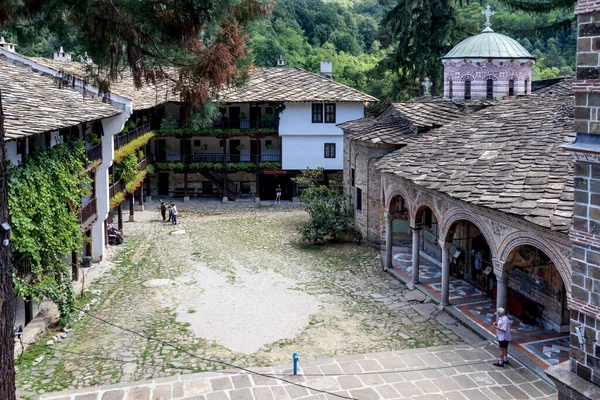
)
(503, 335)
(163, 210)
(174, 213)
(278, 194)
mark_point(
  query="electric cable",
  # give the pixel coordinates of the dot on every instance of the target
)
(202, 358)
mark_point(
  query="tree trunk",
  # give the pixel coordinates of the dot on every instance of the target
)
(7, 317)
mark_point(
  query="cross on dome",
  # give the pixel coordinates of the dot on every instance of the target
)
(427, 85)
(488, 12)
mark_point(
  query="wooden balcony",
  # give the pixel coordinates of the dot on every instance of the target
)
(219, 157)
(94, 153)
(117, 187)
(88, 214)
(125, 138)
(226, 123)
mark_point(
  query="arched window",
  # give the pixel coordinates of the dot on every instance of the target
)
(489, 89)
(450, 89)
(526, 85)
(511, 88)
(468, 89)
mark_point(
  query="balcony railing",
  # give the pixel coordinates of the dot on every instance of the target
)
(226, 123)
(219, 157)
(94, 153)
(117, 187)
(125, 138)
(88, 212)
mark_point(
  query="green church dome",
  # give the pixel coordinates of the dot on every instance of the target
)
(489, 44)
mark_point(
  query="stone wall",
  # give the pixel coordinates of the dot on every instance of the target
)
(361, 157)
(584, 303)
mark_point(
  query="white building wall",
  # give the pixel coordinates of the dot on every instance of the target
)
(111, 127)
(296, 119)
(303, 142)
(308, 151)
(11, 153)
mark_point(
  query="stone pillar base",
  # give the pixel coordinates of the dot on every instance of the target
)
(148, 198)
(257, 200)
(225, 200)
(571, 385)
(138, 208)
(442, 305)
(131, 218)
(186, 199)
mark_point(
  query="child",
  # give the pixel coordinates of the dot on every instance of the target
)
(278, 194)
(174, 213)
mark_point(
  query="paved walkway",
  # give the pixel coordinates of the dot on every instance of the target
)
(541, 348)
(448, 372)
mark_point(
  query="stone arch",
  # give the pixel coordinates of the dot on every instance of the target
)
(424, 202)
(463, 215)
(467, 77)
(517, 239)
(396, 190)
(490, 76)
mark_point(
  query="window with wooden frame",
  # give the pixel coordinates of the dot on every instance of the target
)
(317, 113)
(329, 150)
(330, 113)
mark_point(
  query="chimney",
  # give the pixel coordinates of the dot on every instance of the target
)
(327, 69)
(7, 46)
(86, 59)
(62, 55)
(280, 62)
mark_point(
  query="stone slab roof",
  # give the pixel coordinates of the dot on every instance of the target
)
(289, 84)
(506, 157)
(33, 104)
(148, 96)
(389, 128)
(400, 123)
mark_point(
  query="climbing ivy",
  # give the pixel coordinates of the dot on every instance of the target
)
(128, 167)
(44, 197)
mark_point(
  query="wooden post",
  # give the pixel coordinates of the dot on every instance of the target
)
(74, 266)
(141, 196)
(28, 309)
(131, 205)
(225, 197)
(120, 215)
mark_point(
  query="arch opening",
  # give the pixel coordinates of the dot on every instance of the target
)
(489, 89)
(471, 255)
(401, 233)
(429, 234)
(468, 89)
(536, 291)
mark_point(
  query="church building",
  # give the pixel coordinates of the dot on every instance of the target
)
(471, 195)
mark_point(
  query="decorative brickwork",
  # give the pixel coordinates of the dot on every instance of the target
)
(584, 303)
(519, 71)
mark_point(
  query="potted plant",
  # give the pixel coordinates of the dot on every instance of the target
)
(93, 138)
(269, 146)
(240, 147)
(204, 147)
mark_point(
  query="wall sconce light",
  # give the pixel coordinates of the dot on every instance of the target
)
(5, 227)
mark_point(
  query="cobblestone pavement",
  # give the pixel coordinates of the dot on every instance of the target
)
(164, 275)
(448, 372)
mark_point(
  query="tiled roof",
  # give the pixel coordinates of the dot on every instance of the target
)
(430, 114)
(400, 123)
(149, 95)
(506, 157)
(291, 85)
(389, 128)
(33, 104)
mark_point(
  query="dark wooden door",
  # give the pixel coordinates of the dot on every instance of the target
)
(160, 150)
(163, 183)
(255, 150)
(234, 152)
(255, 116)
(234, 117)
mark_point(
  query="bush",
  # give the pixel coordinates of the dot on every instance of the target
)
(329, 210)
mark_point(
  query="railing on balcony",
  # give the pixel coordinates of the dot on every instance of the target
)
(218, 158)
(226, 123)
(94, 153)
(88, 212)
(117, 187)
(125, 138)
(22, 266)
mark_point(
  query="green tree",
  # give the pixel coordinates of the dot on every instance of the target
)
(329, 210)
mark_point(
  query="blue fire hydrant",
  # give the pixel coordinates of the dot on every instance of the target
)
(295, 358)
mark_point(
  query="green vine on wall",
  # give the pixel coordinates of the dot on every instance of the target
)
(44, 228)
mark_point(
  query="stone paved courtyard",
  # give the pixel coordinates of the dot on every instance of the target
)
(230, 283)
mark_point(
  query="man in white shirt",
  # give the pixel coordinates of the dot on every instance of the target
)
(502, 326)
